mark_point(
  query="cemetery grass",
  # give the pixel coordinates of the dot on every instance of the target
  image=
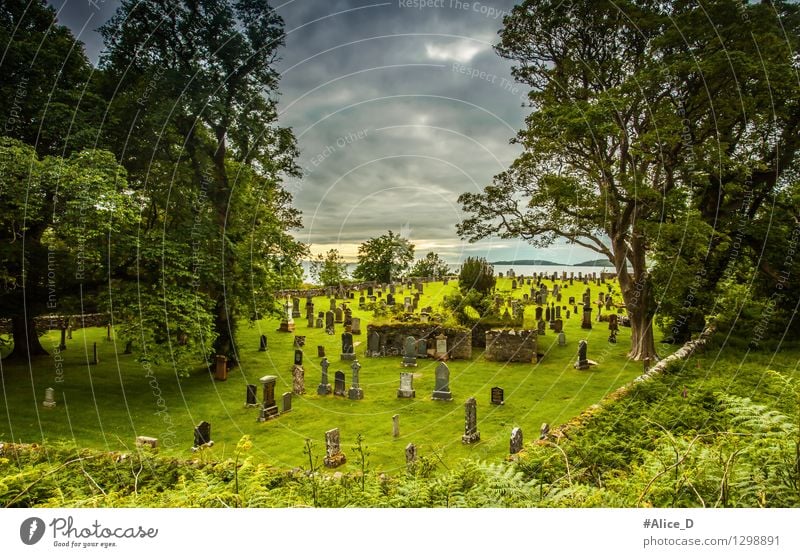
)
(106, 406)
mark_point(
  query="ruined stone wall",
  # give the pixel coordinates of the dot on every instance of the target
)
(509, 345)
(459, 340)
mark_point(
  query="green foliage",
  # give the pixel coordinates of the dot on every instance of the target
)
(330, 269)
(384, 259)
(431, 266)
(476, 275)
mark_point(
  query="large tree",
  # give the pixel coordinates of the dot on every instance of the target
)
(384, 259)
(625, 135)
(192, 90)
(430, 266)
(329, 269)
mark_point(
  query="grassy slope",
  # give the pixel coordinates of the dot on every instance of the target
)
(106, 406)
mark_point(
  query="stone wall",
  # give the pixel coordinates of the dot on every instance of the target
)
(510, 345)
(53, 322)
(459, 340)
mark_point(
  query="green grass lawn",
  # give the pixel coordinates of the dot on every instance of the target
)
(106, 406)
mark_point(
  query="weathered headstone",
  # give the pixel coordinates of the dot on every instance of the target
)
(262, 345)
(338, 383)
(515, 444)
(330, 328)
(373, 344)
(269, 408)
(562, 339)
(441, 389)
(287, 402)
(471, 433)
(541, 327)
(613, 322)
(348, 352)
(251, 400)
(583, 362)
(333, 454)
(221, 369)
(441, 347)
(587, 317)
(299, 341)
(390, 299)
(298, 380)
(544, 430)
(144, 441)
(332, 304)
(298, 357)
(202, 435)
(287, 323)
(320, 351)
(497, 396)
(396, 425)
(355, 326)
(295, 307)
(411, 455)
(406, 389)
(95, 357)
(338, 315)
(538, 314)
(324, 387)
(558, 325)
(49, 398)
(410, 352)
(355, 392)
(62, 345)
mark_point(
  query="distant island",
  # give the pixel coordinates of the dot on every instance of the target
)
(593, 263)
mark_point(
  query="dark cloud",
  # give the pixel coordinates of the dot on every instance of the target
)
(397, 111)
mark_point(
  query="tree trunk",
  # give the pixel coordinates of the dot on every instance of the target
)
(638, 296)
(26, 341)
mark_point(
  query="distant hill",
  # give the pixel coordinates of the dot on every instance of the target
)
(595, 263)
(524, 262)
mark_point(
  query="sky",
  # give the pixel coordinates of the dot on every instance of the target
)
(398, 107)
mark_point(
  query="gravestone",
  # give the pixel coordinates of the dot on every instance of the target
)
(513, 285)
(370, 291)
(287, 323)
(324, 387)
(558, 325)
(441, 347)
(515, 444)
(348, 317)
(541, 328)
(202, 434)
(269, 408)
(411, 455)
(441, 389)
(298, 357)
(572, 300)
(410, 352)
(320, 351)
(497, 396)
(390, 300)
(95, 358)
(252, 397)
(587, 317)
(338, 383)
(562, 339)
(332, 303)
(319, 323)
(338, 315)
(348, 352)
(355, 392)
(471, 433)
(144, 441)
(330, 328)
(544, 430)
(612, 337)
(287, 402)
(538, 314)
(373, 344)
(355, 326)
(262, 346)
(583, 362)
(298, 380)
(295, 307)
(221, 369)
(333, 454)
(362, 302)
(406, 389)
(299, 341)
(396, 425)
(548, 314)
(49, 398)
(422, 348)
(613, 322)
